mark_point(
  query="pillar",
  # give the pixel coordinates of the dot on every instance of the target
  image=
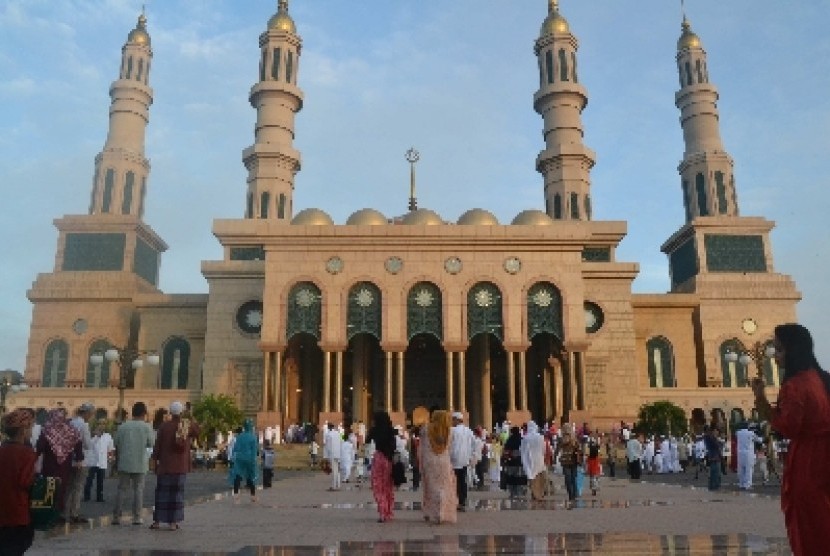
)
(400, 381)
(338, 374)
(462, 382)
(277, 387)
(266, 380)
(523, 380)
(388, 382)
(326, 381)
(450, 404)
(511, 382)
(580, 373)
(572, 395)
(548, 389)
(486, 384)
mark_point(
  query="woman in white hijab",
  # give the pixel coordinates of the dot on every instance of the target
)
(533, 461)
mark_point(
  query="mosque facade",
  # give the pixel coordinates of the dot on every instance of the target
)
(311, 320)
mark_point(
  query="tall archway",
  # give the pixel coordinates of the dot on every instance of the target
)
(425, 358)
(734, 373)
(545, 333)
(175, 364)
(660, 363)
(55, 361)
(303, 365)
(485, 380)
(98, 376)
(363, 374)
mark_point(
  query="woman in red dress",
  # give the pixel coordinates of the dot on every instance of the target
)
(383, 435)
(802, 415)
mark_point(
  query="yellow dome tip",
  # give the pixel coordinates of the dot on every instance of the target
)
(688, 38)
(554, 23)
(139, 35)
(281, 21)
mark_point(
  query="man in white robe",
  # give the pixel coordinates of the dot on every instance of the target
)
(332, 447)
(347, 453)
(648, 456)
(745, 440)
(532, 449)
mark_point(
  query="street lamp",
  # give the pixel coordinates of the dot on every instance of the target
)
(758, 353)
(129, 361)
(6, 386)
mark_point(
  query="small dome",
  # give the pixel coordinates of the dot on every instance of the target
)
(688, 39)
(422, 217)
(367, 217)
(478, 217)
(532, 218)
(281, 21)
(139, 35)
(312, 217)
(554, 24)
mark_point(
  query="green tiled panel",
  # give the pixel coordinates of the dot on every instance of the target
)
(255, 253)
(596, 254)
(94, 252)
(734, 253)
(146, 262)
(683, 262)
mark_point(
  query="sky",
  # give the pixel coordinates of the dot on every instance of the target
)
(455, 79)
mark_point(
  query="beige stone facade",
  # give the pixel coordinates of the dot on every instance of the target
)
(308, 320)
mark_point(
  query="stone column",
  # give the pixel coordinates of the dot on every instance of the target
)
(511, 382)
(338, 380)
(450, 380)
(559, 398)
(400, 380)
(572, 394)
(580, 378)
(462, 382)
(266, 381)
(326, 381)
(547, 386)
(388, 382)
(485, 385)
(522, 380)
(277, 387)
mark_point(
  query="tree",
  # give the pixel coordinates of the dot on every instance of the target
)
(663, 418)
(216, 413)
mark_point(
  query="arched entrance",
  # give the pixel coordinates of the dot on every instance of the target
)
(303, 379)
(543, 388)
(425, 379)
(487, 389)
(363, 379)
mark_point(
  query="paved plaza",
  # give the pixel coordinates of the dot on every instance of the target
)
(661, 515)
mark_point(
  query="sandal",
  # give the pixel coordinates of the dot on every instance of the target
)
(174, 527)
(155, 525)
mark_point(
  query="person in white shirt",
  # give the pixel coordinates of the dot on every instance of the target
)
(97, 461)
(461, 456)
(77, 479)
(634, 455)
(347, 453)
(332, 447)
(745, 440)
(533, 461)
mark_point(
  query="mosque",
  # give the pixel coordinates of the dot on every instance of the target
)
(311, 320)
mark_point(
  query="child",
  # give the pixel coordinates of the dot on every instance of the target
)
(268, 460)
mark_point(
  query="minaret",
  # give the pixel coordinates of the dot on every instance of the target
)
(706, 171)
(272, 161)
(121, 169)
(566, 162)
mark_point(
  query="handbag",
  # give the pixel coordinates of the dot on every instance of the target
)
(43, 502)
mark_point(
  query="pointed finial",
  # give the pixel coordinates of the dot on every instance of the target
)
(282, 6)
(553, 6)
(142, 19)
(412, 156)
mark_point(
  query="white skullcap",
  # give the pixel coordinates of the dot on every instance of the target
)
(458, 415)
(176, 408)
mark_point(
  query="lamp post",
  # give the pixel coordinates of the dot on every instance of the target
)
(6, 386)
(758, 353)
(129, 361)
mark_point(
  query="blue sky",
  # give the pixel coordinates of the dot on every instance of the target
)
(453, 78)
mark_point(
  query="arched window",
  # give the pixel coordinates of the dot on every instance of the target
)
(700, 188)
(734, 373)
(660, 363)
(720, 187)
(423, 311)
(289, 67)
(699, 71)
(275, 64)
(129, 68)
(544, 310)
(140, 73)
(109, 183)
(549, 65)
(94, 191)
(304, 310)
(563, 65)
(175, 361)
(686, 205)
(98, 376)
(557, 206)
(484, 311)
(364, 310)
(587, 207)
(127, 202)
(55, 363)
(262, 65)
(147, 73)
(574, 206)
(734, 193)
(772, 374)
(249, 207)
(573, 65)
(281, 206)
(688, 73)
(141, 197)
(264, 200)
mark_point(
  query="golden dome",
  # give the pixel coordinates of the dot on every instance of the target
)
(139, 35)
(478, 217)
(312, 217)
(367, 217)
(688, 39)
(422, 217)
(532, 218)
(554, 24)
(281, 21)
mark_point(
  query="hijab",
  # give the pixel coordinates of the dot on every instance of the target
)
(533, 451)
(60, 434)
(438, 431)
(798, 352)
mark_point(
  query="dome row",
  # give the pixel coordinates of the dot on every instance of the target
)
(420, 217)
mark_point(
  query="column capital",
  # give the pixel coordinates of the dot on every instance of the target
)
(271, 346)
(516, 348)
(455, 348)
(393, 347)
(577, 345)
(332, 348)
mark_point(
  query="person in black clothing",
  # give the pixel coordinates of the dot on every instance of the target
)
(414, 444)
(514, 473)
(383, 436)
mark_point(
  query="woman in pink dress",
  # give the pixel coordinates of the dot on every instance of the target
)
(383, 435)
(440, 503)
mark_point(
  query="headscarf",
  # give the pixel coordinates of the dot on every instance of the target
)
(61, 436)
(438, 431)
(798, 352)
(18, 419)
(533, 451)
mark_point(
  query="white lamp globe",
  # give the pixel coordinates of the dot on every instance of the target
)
(153, 359)
(111, 355)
